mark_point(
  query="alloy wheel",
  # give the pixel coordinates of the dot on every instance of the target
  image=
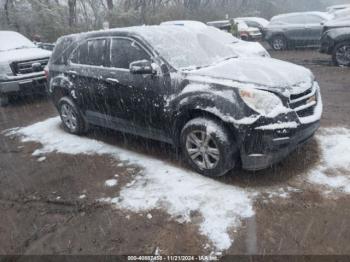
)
(69, 117)
(343, 55)
(203, 150)
(278, 44)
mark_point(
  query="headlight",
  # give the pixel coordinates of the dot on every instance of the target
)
(263, 102)
(5, 69)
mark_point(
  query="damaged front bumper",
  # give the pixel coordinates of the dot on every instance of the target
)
(265, 144)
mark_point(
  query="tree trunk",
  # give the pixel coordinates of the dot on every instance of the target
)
(72, 7)
(110, 5)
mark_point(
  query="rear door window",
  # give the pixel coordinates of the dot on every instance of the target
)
(125, 51)
(92, 52)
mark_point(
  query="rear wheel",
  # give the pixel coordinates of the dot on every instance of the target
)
(341, 54)
(72, 119)
(208, 147)
(279, 43)
(4, 100)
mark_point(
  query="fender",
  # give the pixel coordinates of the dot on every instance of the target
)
(224, 104)
(62, 84)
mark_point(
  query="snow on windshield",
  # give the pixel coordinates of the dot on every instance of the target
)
(184, 48)
(13, 40)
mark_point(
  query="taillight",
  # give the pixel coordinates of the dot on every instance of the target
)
(46, 71)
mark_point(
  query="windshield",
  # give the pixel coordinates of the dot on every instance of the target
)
(13, 40)
(185, 48)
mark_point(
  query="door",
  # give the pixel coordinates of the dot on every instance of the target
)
(315, 28)
(87, 68)
(135, 102)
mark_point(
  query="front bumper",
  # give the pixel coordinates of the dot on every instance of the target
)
(24, 85)
(266, 148)
(265, 145)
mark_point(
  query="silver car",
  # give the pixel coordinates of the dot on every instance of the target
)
(296, 30)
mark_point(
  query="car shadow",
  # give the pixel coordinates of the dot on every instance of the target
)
(297, 163)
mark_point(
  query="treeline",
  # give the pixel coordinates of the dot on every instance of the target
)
(53, 18)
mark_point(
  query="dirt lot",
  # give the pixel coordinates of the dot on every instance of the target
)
(50, 206)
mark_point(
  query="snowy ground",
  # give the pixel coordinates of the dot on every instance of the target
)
(180, 192)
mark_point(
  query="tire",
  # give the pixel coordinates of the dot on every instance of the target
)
(72, 119)
(341, 54)
(208, 147)
(4, 100)
(279, 43)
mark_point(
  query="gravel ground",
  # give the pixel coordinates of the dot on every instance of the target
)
(48, 203)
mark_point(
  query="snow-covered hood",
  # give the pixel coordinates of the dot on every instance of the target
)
(259, 72)
(249, 49)
(23, 54)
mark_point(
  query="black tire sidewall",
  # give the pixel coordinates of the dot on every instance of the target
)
(334, 55)
(228, 150)
(81, 123)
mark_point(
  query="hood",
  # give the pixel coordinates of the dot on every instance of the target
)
(260, 72)
(23, 55)
(249, 49)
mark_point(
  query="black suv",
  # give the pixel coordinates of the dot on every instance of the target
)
(185, 88)
(336, 41)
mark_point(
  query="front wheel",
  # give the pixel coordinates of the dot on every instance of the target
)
(208, 147)
(341, 54)
(72, 119)
(279, 43)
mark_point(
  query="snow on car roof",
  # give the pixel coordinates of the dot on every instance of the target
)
(324, 15)
(188, 23)
(342, 13)
(12, 40)
(337, 7)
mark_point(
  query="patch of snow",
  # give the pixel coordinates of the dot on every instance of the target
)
(288, 125)
(42, 159)
(335, 145)
(111, 183)
(158, 186)
(82, 196)
(149, 216)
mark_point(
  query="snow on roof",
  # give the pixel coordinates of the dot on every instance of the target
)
(188, 23)
(324, 15)
(13, 40)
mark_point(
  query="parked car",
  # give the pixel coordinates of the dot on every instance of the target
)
(334, 8)
(336, 41)
(181, 87)
(45, 46)
(296, 30)
(21, 66)
(255, 22)
(245, 32)
(344, 13)
(242, 48)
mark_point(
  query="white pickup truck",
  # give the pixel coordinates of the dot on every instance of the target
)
(21, 66)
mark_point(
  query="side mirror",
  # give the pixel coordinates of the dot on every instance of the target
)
(143, 67)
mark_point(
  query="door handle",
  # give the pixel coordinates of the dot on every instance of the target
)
(112, 81)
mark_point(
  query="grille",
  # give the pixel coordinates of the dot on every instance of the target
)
(304, 103)
(27, 67)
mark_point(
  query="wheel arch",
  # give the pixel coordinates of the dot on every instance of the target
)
(184, 117)
(60, 87)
